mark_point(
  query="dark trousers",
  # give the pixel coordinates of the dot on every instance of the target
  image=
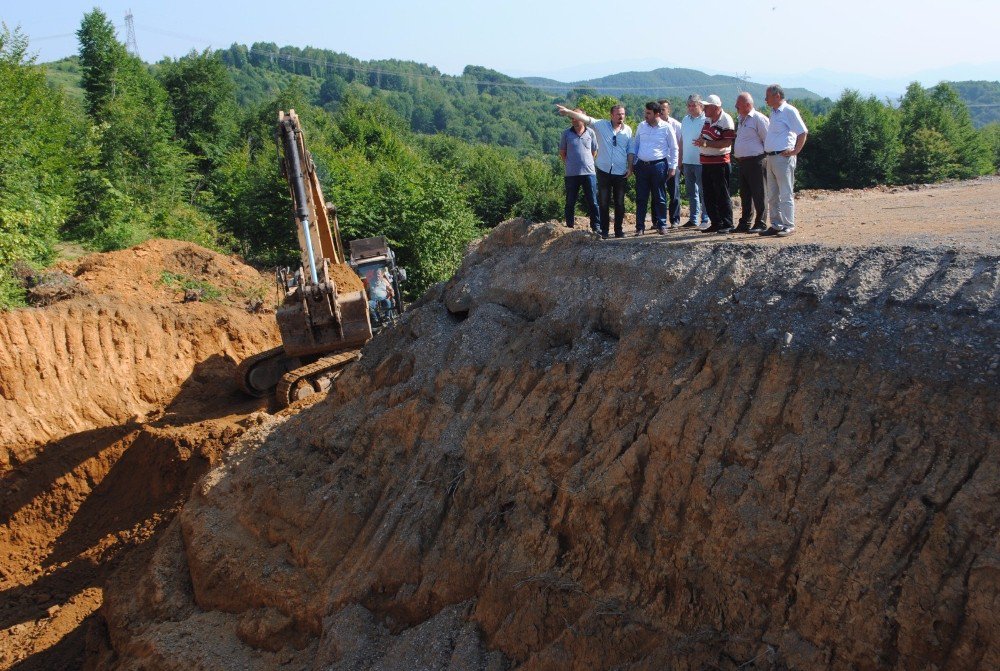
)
(573, 185)
(611, 186)
(650, 181)
(674, 193)
(715, 180)
(752, 191)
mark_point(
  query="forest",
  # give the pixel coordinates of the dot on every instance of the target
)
(102, 151)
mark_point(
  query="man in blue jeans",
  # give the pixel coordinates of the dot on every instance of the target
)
(653, 158)
(690, 156)
(577, 149)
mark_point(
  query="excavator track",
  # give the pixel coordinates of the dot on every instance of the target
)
(313, 378)
(250, 371)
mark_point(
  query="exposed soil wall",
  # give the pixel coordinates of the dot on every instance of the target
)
(112, 403)
(629, 455)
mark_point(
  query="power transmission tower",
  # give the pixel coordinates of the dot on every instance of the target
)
(744, 79)
(130, 44)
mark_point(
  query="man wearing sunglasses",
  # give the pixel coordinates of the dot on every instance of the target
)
(613, 137)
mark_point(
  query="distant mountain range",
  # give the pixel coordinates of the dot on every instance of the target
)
(668, 82)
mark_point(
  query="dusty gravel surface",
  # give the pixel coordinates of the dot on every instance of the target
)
(957, 215)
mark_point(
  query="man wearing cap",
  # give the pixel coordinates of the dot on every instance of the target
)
(749, 152)
(577, 148)
(653, 157)
(674, 182)
(786, 135)
(613, 137)
(690, 158)
(715, 144)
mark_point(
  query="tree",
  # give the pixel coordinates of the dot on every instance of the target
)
(939, 110)
(138, 178)
(857, 144)
(203, 102)
(39, 149)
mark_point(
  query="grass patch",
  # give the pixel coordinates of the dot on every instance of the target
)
(205, 291)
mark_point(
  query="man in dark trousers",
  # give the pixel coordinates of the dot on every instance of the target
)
(577, 149)
(716, 143)
(749, 152)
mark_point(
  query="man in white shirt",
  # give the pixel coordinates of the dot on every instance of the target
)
(749, 152)
(690, 158)
(653, 158)
(786, 135)
(613, 137)
(673, 183)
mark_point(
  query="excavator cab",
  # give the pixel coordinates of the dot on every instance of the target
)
(375, 264)
(323, 316)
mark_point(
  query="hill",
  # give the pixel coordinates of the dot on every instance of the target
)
(670, 82)
(983, 99)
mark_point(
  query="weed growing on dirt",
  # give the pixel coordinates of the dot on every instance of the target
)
(11, 291)
(205, 291)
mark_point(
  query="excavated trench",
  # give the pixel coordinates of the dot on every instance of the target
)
(635, 455)
(114, 399)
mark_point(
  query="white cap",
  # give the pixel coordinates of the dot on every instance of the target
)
(713, 100)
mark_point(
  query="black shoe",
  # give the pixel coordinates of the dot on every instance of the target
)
(620, 234)
(690, 224)
(771, 232)
(742, 228)
(711, 229)
(757, 228)
(726, 229)
(639, 231)
(604, 236)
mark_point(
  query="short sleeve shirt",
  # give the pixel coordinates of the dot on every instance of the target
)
(580, 151)
(722, 128)
(786, 125)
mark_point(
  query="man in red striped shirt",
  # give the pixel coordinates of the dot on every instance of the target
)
(716, 143)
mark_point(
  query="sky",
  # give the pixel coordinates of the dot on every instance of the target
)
(875, 41)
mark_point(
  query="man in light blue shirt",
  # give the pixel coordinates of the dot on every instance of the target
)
(691, 127)
(613, 137)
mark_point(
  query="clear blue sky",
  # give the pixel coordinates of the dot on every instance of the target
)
(766, 39)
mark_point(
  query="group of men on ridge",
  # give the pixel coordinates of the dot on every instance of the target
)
(601, 154)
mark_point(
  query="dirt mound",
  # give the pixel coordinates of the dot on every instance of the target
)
(113, 400)
(624, 455)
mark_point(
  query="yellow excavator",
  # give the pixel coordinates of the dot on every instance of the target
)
(324, 315)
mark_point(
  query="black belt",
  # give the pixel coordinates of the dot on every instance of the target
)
(659, 160)
(774, 153)
(749, 158)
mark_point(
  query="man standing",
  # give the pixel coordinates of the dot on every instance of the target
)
(577, 149)
(673, 183)
(786, 135)
(653, 156)
(716, 143)
(690, 157)
(749, 152)
(613, 137)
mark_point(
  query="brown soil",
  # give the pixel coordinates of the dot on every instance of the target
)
(682, 451)
(685, 451)
(112, 403)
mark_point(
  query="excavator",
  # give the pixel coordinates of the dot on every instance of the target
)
(324, 314)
